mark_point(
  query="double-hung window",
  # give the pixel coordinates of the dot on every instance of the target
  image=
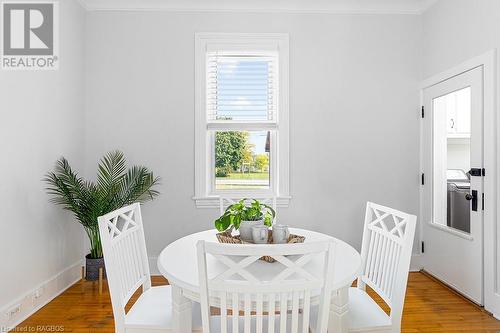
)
(241, 117)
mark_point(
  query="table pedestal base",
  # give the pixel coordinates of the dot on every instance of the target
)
(182, 309)
(339, 308)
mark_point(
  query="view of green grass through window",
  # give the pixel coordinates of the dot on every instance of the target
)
(242, 160)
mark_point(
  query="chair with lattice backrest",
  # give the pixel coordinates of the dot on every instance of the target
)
(127, 269)
(224, 202)
(385, 252)
(249, 302)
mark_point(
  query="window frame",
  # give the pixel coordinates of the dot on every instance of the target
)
(205, 193)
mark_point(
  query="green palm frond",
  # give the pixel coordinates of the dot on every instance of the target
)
(137, 185)
(110, 173)
(111, 169)
(115, 187)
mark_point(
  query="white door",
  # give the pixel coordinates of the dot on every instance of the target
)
(452, 138)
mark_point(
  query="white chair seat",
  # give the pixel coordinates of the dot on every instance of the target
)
(215, 324)
(364, 314)
(153, 311)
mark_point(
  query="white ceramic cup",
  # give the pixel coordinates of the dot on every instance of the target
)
(260, 234)
(246, 229)
(280, 234)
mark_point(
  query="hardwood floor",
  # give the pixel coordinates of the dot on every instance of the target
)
(429, 307)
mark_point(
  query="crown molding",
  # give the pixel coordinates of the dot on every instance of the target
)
(400, 7)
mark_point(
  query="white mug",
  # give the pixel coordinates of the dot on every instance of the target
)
(260, 234)
(280, 234)
(246, 229)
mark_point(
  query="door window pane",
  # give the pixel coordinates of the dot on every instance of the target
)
(451, 160)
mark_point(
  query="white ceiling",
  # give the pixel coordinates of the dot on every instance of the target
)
(412, 7)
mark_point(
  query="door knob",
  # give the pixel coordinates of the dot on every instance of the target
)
(476, 172)
(472, 196)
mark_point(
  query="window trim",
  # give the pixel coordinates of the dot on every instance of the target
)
(244, 42)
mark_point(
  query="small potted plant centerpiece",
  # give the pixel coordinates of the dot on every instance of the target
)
(243, 215)
(115, 187)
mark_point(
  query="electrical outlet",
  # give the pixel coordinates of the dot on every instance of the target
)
(37, 294)
(13, 311)
(35, 297)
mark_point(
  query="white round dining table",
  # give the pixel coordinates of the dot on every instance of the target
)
(178, 264)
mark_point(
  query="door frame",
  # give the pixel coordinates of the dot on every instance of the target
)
(491, 157)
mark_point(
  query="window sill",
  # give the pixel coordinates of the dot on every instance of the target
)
(213, 201)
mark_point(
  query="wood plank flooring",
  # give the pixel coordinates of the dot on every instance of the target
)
(429, 307)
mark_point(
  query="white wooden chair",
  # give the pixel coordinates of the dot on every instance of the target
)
(263, 300)
(386, 253)
(224, 202)
(127, 269)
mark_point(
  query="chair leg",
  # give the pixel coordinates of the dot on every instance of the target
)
(83, 273)
(100, 279)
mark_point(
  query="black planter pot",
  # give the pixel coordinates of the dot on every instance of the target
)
(92, 268)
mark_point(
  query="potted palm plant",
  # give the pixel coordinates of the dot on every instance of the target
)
(116, 186)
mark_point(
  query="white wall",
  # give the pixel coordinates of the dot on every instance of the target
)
(458, 155)
(42, 119)
(353, 108)
(457, 30)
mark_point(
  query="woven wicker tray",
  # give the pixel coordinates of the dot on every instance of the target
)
(227, 237)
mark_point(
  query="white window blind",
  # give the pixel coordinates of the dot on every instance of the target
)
(241, 88)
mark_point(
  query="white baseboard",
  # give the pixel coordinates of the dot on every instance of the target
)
(416, 263)
(28, 304)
